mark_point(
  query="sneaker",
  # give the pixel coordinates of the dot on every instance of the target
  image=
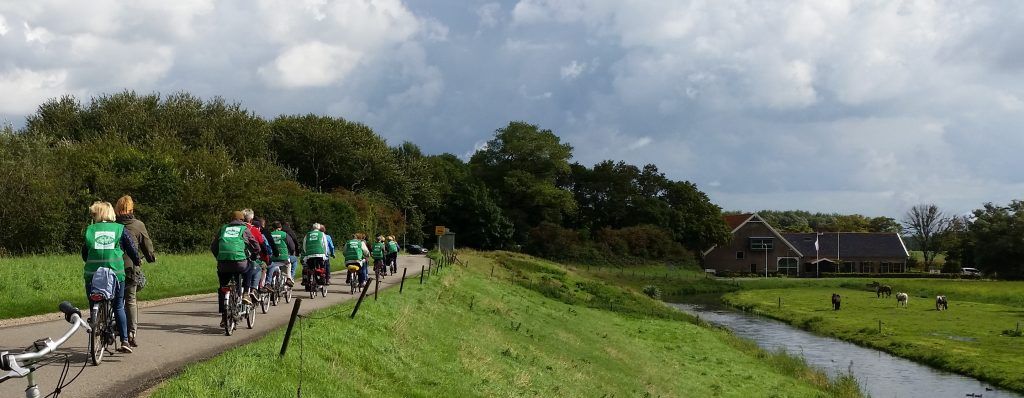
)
(124, 349)
(289, 282)
(131, 342)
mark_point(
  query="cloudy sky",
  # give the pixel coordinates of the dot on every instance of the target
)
(847, 106)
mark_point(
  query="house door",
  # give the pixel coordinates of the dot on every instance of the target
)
(753, 268)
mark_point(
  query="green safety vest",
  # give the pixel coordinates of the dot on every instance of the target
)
(103, 241)
(314, 244)
(392, 247)
(231, 246)
(281, 244)
(353, 250)
(378, 250)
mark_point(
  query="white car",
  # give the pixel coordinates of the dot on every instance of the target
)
(970, 271)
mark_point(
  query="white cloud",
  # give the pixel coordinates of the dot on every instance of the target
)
(37, 35)
(572, 70)
(23, 89)
(3, 26)
(488, 15)
(312, 64)
(640, 143)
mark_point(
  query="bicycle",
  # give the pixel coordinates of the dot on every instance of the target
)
(279, 289)
(236, 308)
(315, 281)
(102, 329)
(353, 276)
(26, 363)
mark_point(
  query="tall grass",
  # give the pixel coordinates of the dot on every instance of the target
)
(467, 333)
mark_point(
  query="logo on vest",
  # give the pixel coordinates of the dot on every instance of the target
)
(233, 232)
(104, 240)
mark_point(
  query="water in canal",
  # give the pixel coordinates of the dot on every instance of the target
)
(881, 375)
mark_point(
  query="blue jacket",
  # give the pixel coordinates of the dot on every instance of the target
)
(330, 245)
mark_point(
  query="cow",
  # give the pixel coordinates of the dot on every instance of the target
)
(902, 299)
(835, 302)
(941, 303)
(883, 289)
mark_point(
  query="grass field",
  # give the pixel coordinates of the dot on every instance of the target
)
(35, 285)
(967, 339)
(467, 333)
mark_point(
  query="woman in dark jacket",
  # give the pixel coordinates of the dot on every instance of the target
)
(125, 210)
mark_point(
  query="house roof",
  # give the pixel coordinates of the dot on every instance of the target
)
(852, 244)
(734, 221)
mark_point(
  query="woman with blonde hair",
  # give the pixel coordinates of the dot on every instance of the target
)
(125, 209)
(106, 245)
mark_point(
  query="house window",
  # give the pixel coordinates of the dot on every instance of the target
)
(789, 265)
(761, 244)
(739, 255)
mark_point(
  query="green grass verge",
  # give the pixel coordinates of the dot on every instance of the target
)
(968, 338)
(35, 285)
(466, 333)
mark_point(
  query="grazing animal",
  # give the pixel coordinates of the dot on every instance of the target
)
(883, 289)
(902, 299)
(941, 303)
(835, 302)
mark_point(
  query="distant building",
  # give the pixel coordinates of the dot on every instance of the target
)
(756, 244)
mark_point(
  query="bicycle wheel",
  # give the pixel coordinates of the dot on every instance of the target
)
(264, 299)
(323, 291)
(250, 316)
(353, 284)
(229, 314)
(96, 322)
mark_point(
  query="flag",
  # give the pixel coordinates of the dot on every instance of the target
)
(816, 242)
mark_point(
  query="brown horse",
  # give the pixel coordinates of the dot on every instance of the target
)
(883, 289)
(835, 301)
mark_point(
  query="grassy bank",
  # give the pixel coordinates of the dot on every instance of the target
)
(530, 329)
(35, 285)
(968, 338)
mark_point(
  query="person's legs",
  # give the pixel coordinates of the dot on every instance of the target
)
(275, 268)
(364, 272)
(327, 267)
(130, 305)
(119, 317)
(295, 266)
(225, 279)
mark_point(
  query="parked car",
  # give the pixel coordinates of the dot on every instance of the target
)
(970, 271)
(415, 249)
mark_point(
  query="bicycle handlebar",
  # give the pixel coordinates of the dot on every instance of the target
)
(16, 364)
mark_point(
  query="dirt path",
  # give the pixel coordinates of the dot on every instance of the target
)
(170, 337)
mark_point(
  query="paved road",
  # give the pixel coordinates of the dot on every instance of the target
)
(171, 336)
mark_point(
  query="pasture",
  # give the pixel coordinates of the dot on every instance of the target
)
(468, 333)
(968, 338)
(34, 285)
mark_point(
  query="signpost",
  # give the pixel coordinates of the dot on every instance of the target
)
(440, 230)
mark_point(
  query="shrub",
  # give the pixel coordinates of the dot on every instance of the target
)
(652, 291)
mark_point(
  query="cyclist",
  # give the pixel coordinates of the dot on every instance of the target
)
(232, 247)
(379, 257)
(251, 277)
(314, 249)
(125, 209)
(105, 246)
(355, 253)
(330, 252)
(392, 247)
(294, 254)
(283, 247)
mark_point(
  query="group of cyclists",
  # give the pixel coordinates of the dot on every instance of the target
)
(248, 252)
(251, 254)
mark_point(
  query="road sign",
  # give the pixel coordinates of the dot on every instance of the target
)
(440, 230)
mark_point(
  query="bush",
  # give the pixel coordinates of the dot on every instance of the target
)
(652, 291)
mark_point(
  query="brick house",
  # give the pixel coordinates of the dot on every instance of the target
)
(756, 245)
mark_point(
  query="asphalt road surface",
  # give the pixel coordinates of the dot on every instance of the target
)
(170, 337)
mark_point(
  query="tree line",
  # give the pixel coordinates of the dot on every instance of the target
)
(990, 238)
(187, 161)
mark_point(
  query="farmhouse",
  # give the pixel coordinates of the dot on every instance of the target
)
(756, 245)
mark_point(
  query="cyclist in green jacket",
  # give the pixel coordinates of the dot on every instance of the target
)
(392, 259)
(355, 253)
(315, 252)
(233, 246)
(280, 261)
(105, 247)
(379, 253)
